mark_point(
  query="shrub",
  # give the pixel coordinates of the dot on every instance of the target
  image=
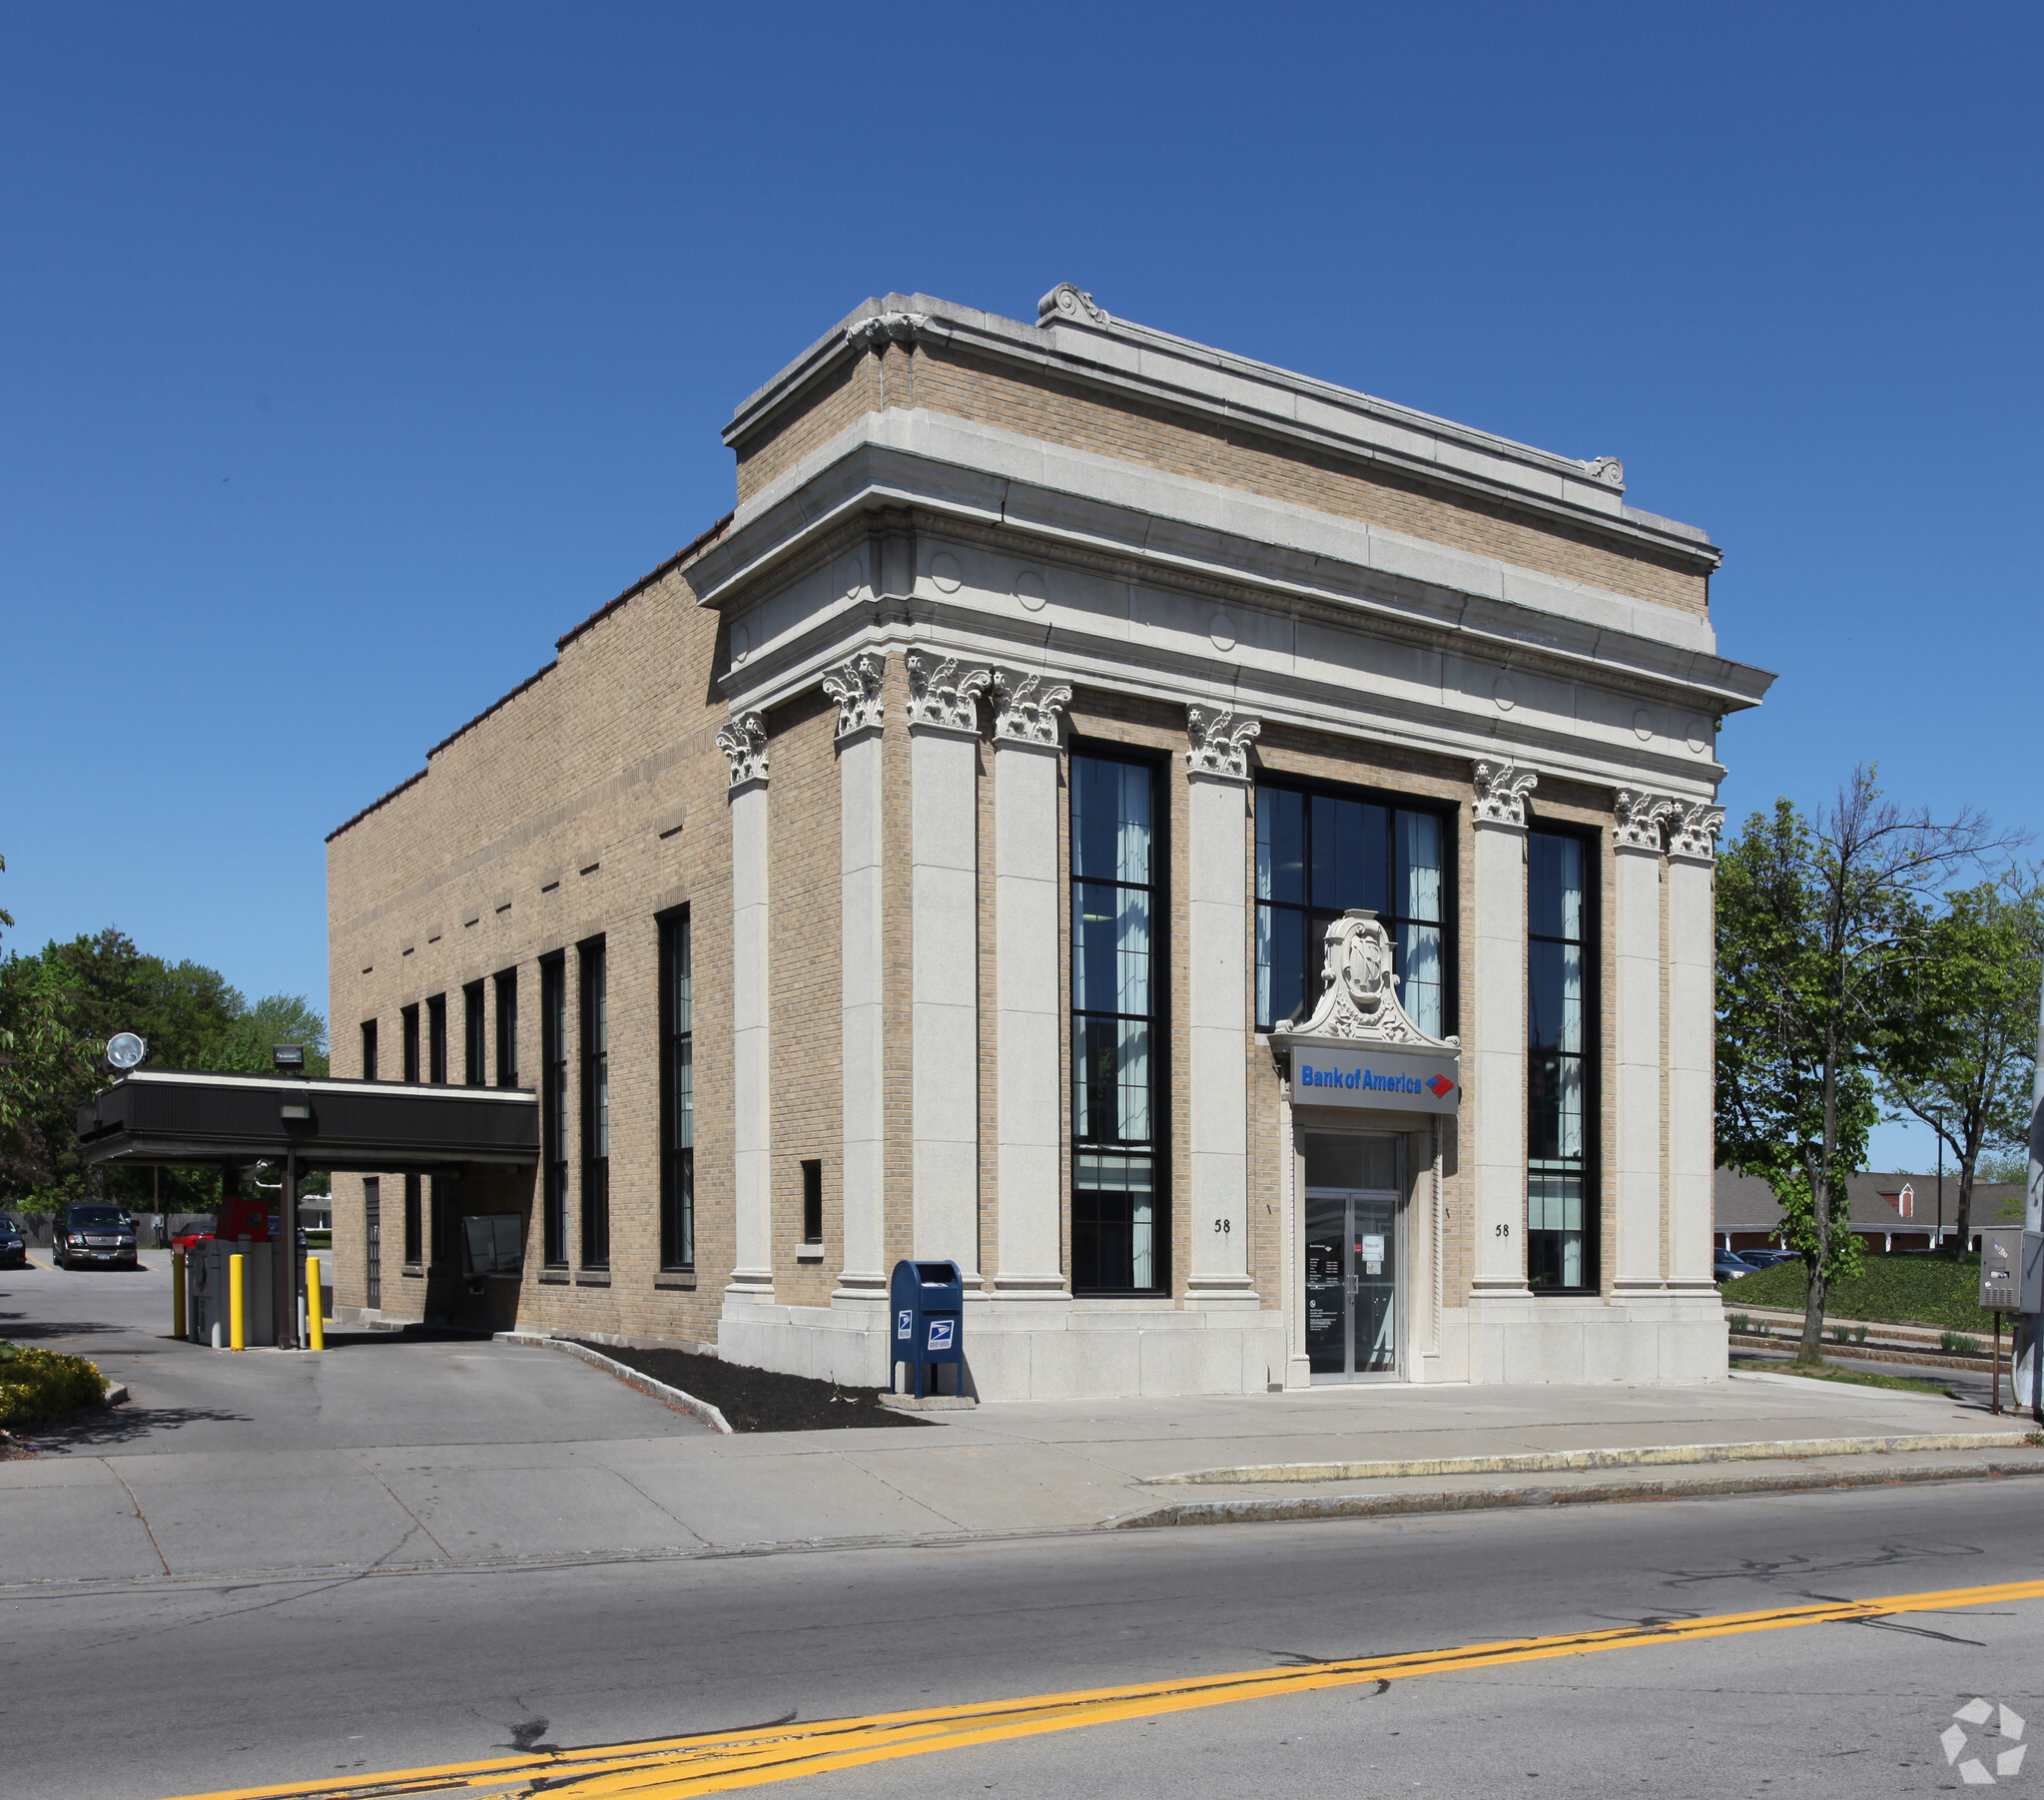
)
(1957, 1344)
(36, 1385)
(1740, 1322)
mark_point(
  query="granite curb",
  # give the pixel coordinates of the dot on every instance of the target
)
(645, 1384)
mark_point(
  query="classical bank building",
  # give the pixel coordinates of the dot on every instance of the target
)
(1225, 860)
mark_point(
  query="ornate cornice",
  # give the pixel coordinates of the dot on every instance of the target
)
(744, 742)
(1359, 991)
(1069, 300)
(1220, 743)
(877, 333)
(1608, 469)
(855, 686)
(1026, 709)
(1638, 816)
(1501, 791)
(1693, 833)
(939, 695)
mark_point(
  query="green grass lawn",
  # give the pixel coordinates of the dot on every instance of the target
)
(1899, 1290)
(1853, 1377)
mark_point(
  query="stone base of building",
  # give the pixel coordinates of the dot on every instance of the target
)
(1037, 1349)
(1673, 1334)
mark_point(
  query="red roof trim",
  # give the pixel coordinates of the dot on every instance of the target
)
(645, 581)
(504, 701)
(409, 781)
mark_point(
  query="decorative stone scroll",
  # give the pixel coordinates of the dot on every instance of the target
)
(1359, 992)
(1638, 816)
(939, 694)
(1608, 469)
(1501, 791)
(1220, 743)
(744, 742)
(1069, 300)
(855, 686)
(1026, 709)
(1693, 831)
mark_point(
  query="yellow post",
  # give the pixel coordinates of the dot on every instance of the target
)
(237, 1316)
(316, 1326)
(177, 1293)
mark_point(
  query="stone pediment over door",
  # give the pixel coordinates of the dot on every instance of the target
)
(1359, 1047)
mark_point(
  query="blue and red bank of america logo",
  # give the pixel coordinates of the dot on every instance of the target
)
(1440, 1087)
(1370, 1080)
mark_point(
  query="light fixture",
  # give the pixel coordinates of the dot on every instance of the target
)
(295, 1109)
(288, 1058)
(124, 1050)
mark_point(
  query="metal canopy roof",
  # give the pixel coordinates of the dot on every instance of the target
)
(189, 1116)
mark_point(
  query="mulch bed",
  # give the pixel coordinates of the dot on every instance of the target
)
(759, 1399)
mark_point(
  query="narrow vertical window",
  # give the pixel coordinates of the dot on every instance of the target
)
(1561, 1241)
(812, 1202)
(415, 1224)
(368, 1049)
(595, 1110)
(507, 1028)
(373, 1243)
(677, 1096)
(553, 1109)
(436, 1041)
(1318, 854)
(474, 1035)
(1118, 1219)
(407, 1023)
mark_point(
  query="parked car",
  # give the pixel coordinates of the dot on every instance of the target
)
(13, 1245)
(93, 1234)
(189, 1240)
(1768, 1257)
(1729, 1266)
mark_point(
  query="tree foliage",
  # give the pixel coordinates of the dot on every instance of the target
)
(1821, 927)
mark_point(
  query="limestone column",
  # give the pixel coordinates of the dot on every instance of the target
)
(944, 965)
(1494, 1046)
(744, 743)
(1692, 1040)
(1028, 1017)
(855, 687)
(1636, 1008)
(1217, 971)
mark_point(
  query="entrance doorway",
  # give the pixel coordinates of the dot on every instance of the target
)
(1354, 1276)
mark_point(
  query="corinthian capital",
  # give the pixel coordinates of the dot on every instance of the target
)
(1637, 819)
(1501, 791)
(1693, 831)
(1028, 708)
(1220, 742)
(855, 686)
(744, 742)
(939, 694)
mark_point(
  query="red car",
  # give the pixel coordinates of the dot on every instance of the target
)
(189, 1241)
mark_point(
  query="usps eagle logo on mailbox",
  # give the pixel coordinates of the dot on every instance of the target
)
(940, 1333)
(905, 1323)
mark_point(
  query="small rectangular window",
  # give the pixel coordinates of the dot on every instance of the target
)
(436, 1041)
(408, 1024)
(677, 1096)
(595, 1108)
(415, 1224)
(368, 1049)
(474, 1035)
(553, 1109)
(812, 1203)
(507, 1028)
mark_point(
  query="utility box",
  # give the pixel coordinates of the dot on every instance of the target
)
(208, 1300)
(2011, 1269)
(928, 1308)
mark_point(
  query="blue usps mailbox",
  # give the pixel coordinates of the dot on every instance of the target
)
(928, 1318)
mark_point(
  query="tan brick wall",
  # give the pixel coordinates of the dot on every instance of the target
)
(813, 418)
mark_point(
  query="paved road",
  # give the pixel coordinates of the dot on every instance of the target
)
(267, 1680)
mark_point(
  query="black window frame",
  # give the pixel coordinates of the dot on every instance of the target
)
(812, 1203)
(407, 1034)
(1589, 1056)
(474, 1037)
(368, 1049)
(1157, 765)
(592, 1023)
(677, 1092)
(553, 1119)
(436, 1039)
(414, 1225)
(1317, 918)
(506, 996)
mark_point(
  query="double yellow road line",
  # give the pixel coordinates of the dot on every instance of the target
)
(679, 1767)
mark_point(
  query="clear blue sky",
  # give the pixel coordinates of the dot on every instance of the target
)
(352, 354)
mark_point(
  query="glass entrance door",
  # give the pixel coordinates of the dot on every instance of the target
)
(1352, 1272)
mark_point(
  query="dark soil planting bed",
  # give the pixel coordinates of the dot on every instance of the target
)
(759, 1399)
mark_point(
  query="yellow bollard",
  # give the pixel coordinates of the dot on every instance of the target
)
(177, 1294)
(315, 1327)
(236, 1316)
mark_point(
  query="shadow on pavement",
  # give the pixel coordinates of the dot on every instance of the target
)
(18, 1328)
(99, 1428)
(412, 1334)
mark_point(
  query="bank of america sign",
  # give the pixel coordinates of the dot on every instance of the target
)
(1366, 1075)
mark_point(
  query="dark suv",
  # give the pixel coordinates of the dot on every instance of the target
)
(93, 1234)
(13, 1245)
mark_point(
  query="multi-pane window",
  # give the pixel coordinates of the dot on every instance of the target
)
(595, 1109)
(407, 1021)
(474, 1035)
(507, 1028)
(1118, 1201)
(436, 1041)
(1561, 1242)
(677, 1096)
(1320, 854)
(553, 1109)
(368, 1049)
